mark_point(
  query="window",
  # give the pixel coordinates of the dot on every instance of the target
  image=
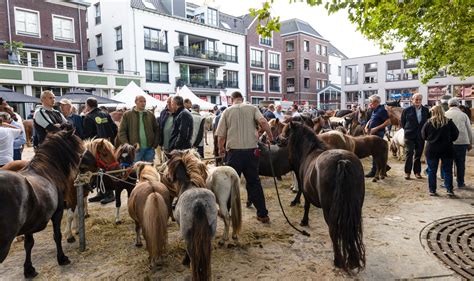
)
(318, 84)
(156, 71)
(318, 66)
(290, 64)
(27, 22)
(339, 70)
(394, 70)
(306, 83)
(274, 61)
(306, 64)
(274, 83)
(212, 17)
(257, 82)
(325, 68)
(256, 58)
(290, 46)
(155, 39)
(30, 58)
(63, 28)
(352, 74)
(88, 49)
(120, 66)
(257, 100)
(306, 46)
(329, 69)
(318, 49)
(64, 61)
(231, 79)
(325, 51)
(410, 63)
(99, 44)
(290, 85)
(230, 53)
(370, 72)
(97, 13)
(267, 41)
(118, 38)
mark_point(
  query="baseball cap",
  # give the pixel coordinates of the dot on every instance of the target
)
(65, 101)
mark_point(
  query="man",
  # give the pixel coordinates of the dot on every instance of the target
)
(294, 110)
(376, 125)
(19, 141)
(444, 102)
(182, 125)
(412, 120)
(8, 134)
(464, 141)
(237, 131)
(279, 114)
(46, 119)
(75, 120)
(269, 114)
(188, 104)
(98, 124)
(198, 130)
(139, 126)
(218, 117)
(165, 122)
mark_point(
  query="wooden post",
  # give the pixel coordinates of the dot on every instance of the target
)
(81, 222)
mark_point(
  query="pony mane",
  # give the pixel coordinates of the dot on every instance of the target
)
(196, 170)
(302, 133)
(93, 144)
(57, 157)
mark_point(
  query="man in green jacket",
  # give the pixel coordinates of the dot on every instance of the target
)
(139, 126)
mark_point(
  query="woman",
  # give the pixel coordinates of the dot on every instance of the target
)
(439, 133)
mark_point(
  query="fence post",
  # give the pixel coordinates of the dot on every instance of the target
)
(81, 222)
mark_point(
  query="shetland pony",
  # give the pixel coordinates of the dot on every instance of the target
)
(195, 212)
(15, 166)
(397, 145)
(334, 181)
(33, 196)
(149, 206)
(224, 182)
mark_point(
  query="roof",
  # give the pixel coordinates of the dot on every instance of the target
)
(334, 87)
(298, 26)
(138, 4)
(335, 52)
(78, 2)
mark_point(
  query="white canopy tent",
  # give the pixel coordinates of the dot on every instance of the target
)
(130, 92)
(186, 93)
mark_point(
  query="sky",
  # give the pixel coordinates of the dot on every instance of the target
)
(335, 27)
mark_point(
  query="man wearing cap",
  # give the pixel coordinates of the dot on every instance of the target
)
(98, 124)
(139, 126)
(75, 120)
(198, 130)
(46, 119)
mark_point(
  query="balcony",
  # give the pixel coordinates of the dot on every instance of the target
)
(257, 88)
(256, 63)
(274, 66)
(290, 89)
(199, 82)
(231, 84)
(275, 89)
(196, 55)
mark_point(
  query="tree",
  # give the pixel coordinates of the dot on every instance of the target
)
(439, 33)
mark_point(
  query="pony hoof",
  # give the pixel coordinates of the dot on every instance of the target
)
(118, 222)
(30, 272)
(304, 223)
(71, 239)
(138, 245)
(63, 260)
(294, 203)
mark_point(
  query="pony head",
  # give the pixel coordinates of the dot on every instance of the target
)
(186, 169)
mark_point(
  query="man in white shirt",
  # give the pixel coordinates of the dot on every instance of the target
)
(8, 133)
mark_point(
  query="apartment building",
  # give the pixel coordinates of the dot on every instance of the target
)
(306, 62)
(171, 43)
(392, 77)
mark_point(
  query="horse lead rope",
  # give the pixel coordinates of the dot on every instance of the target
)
(302, 231)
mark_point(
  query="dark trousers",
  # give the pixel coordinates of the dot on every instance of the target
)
(460, 151)
(246, 162)
(17, 154)
(446, 168)
(414, 147)
(200, 150)
(380, 134)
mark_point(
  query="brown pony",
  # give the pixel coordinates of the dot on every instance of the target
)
(15, 166)
(33, 196)
(334, 181)
(149, 206)
(28, 125)
(395, 114)
(276, 127)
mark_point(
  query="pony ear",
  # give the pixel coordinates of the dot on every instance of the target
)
(167, 154)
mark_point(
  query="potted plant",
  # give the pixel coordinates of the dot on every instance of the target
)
(13, 50)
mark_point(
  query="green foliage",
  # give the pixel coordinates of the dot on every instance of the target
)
(14, 46)
(439, 33)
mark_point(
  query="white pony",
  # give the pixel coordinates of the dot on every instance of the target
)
(397, 145)
(225, 184)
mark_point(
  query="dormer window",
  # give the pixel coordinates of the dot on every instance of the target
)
(212, 17)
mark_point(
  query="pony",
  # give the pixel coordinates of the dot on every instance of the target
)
(395, 115)
(397, 145)
(125, 155)
(33, 196)
(209, 119)
(149, 206)
(15, 166)
(224, 182)
(276, 127)
(195, 212)
(28, 125)
(334, 181)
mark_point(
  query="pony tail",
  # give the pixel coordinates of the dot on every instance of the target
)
(345, 217)
(155, 218)
(236, 206)
(200, 252)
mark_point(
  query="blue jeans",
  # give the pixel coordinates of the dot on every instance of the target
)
(17, 154)
(145, 154)
(446, 168)
(460, 151)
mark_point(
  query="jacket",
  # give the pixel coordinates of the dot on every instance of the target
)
(409, 122)
(182, 130)
(98, 124)
(164, 114)
(439, 141)
(198, 129)
(44, 121)
(461, 120)
(77, 123)
(129, 128)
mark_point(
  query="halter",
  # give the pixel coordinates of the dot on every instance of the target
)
(102, 165)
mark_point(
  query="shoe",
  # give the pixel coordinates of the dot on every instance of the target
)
(108, 199)
(388, 168)
(407, 176)
(461, 185)
(450, 193)
(97, 198)
(264, 219)
(418, 176)
(370, 175)
(433, 194)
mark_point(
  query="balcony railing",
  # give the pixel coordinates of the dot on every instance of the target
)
(231, 84)
(257, 87)
(200, 83)
(274, 66)
(157, 78)
(155, 45)
(230, 58)
(256, 63)
(275, 89)
(198, 53)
